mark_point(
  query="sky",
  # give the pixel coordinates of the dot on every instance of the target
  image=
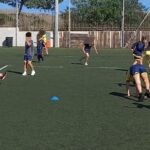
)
(64, 4)
(145, 2)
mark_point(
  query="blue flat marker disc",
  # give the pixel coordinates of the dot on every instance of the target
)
(54, 98)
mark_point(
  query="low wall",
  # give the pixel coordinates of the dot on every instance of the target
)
(104, 39)
(11, 32)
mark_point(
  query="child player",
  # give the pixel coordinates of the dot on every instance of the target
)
(147, 53)
(139, 47)
(45, 43)
(3, 75)
(135, 74)
(28, 55)
(88, 44)
(39, 47)
(44, 39)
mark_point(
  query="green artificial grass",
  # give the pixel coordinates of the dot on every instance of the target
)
(93, 112)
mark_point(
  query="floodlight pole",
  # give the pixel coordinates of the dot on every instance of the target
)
(56, 25)
(122, 25)
(69, 26)
(17, 12)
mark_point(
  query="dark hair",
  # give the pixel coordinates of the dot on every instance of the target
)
(89, 40)
(42, 32)
(143, 38)
(39, 36)
(148, 46)
(28, 34)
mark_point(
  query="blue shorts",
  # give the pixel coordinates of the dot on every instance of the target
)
(27, 57)
(39, 51)
(138, 53)
(87, 50)
(137, 68)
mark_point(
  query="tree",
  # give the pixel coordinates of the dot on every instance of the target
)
(37, 4)
(105, 12)
(134, 13)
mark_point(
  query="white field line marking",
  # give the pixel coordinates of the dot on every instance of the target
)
(3, 67)
(61, 67)
(64, 56)
(103, 67)
(49, 67)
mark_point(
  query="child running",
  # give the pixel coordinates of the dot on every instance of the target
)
(88, 44)
(28, 55)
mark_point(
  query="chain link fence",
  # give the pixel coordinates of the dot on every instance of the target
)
(106, 28)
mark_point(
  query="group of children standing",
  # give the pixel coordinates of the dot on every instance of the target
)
(135, 74)
(87, 46)
(137, 71)
(29, 50)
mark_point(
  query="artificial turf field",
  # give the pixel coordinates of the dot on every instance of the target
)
(92, 113)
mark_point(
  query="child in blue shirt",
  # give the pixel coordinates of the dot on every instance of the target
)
(28, 55)
(139, 47)
(40, 47)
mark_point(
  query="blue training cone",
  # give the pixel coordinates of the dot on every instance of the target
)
(54, 98)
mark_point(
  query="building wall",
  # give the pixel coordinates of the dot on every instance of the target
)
(11, 32)
(7, 32)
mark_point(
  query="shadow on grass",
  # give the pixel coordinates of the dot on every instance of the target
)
(76, 63)
(16, 72)
(121, 70)
(123, 95)
(123, 84)
(34, 61)
(140, 105)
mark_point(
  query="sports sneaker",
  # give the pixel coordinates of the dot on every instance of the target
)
(25, 73)
(86, 64)
(4, 76)
(147, 94)
(141, 97)
(32, 73)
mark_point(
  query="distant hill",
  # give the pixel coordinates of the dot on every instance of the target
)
(28, 21)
